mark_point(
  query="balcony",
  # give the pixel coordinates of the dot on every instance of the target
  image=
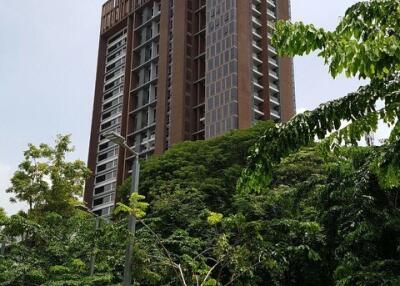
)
(273, 75)
(273, 62)
(256, 34)
(145, 63)
(256, 22)
(256, 46)
(255, 9)
(148, 21)
(258, 112)
(257, 85)
(147, 41)
(271, 25)
(271, 14)
(257, 98)
(271, 3)
(273, 87)
(257, 59)
(274, 100)
(257, 72)
(275, 114)
(272, 50)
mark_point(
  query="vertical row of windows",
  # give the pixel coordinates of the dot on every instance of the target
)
(257, 74)
(199, 69)
(273, 68)
(110, 121)
(221, 110)
(145, 78)
(274, 90)
(169, 78)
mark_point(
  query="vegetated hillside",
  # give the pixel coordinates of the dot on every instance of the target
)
(211, 167)
(324, 220)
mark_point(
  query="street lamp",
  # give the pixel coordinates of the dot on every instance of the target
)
(96, 227)
(3, 247)
(120, 141)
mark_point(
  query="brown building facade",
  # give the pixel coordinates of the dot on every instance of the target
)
(176, 70)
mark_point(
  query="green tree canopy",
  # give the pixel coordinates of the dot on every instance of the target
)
(46, 181)
(366, 43)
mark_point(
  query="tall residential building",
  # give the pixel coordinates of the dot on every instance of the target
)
(176, 70)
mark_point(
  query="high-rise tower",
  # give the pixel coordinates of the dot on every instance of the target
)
(176, 70)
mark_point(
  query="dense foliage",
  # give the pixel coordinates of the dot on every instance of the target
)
(46, 181)
(325, 219)
(302, 215)
(365, 43)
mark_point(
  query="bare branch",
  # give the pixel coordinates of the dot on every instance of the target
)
(173, 264)
(209, 272)
(182, 276)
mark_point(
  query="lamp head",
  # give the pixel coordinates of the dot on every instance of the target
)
(115, 138)
(120, 141)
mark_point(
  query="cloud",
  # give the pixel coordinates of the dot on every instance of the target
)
(6, 173)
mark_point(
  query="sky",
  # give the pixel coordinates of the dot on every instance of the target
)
(48, 55)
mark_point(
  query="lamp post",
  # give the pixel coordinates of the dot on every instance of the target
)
(96, 227)
(120, 141)
(3, 248)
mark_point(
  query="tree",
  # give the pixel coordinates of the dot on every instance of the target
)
(46, 181)
(183, 186)
(3, 216)
(365, 43)
(325, 219)
(56, 251)
(318, 218)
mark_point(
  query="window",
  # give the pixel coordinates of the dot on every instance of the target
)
(147, 54)
(102, 201)
(97, 202)
(146, 98)
(100, 179)
(110, 123)
(109, 154)
(148, 34)
(106, 115)
(98, 212)
(147, 75)
(101, 168)
(102, 157)
(154, 116)
(104, 189)
(104, 146)
(106, 125)
(107, 166)
(99, 190)
(116, 36)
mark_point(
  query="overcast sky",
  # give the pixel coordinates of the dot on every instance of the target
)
(48, 52)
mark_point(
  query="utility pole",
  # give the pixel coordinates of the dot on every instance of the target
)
(120, 141)
(93, 256)
(96, 227)
(3, 248)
